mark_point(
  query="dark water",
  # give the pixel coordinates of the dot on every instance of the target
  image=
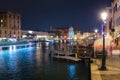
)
(33, 63)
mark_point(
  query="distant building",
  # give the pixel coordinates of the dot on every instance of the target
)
(35, 34)
(91, 35)
(10, 24)
(60, 31)
(71, 33)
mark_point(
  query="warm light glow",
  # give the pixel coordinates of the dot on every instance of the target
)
(1, 20)
(24, 36)
(30, 32)
(75, 38)
(64, 36)
(51, 36)
(14, 35)
(104, 16)
(41, 36)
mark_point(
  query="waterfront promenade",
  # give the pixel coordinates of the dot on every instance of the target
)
(112, 72)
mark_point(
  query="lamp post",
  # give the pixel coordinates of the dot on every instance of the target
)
(103, 17)
(96, 33)
(76, 47)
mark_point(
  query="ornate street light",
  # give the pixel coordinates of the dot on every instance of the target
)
(103, 17)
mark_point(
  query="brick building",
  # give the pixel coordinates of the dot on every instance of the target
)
(10, 24)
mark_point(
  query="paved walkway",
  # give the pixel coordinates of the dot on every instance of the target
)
(112, 72)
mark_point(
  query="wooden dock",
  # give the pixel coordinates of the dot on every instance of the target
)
(67, 58)
(63, 53)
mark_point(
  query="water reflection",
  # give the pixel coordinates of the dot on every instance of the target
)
(72, 71)
(35, 64)
(12, 63)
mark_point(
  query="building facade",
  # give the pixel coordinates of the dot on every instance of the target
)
(10, 24)
(108, 26)
(113, 21)
(60, 31)
(91, 35)
(36, 34)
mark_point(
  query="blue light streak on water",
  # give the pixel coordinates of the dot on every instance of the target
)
(13, 48)
(72, 71)
(13, 62)
(33, 63)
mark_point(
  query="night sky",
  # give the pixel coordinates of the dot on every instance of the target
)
(41, 14)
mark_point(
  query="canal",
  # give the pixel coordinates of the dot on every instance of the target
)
(34, 63)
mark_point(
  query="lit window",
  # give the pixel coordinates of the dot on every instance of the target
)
(1, 20)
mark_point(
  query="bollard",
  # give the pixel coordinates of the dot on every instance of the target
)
(76, 55)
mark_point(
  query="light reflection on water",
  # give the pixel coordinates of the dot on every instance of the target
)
(72, 71)
(34, 64)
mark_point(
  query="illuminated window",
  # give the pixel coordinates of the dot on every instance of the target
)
(1, 20)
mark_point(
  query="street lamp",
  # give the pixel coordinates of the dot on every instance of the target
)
(96, 30)
(103, 17)
(96, 33)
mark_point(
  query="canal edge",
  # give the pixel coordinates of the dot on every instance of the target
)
(95, 74)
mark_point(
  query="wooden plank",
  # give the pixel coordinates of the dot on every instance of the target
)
(67, 58)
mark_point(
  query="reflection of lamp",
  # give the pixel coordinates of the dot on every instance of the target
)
(72, 70)
(103, 17)
(76, 47)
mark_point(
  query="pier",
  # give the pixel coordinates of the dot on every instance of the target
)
(16, 46)
(68, 58)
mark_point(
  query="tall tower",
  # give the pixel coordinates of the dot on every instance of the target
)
(71, 33)
(10, 24)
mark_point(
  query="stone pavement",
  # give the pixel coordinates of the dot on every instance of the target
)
(112, 72)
